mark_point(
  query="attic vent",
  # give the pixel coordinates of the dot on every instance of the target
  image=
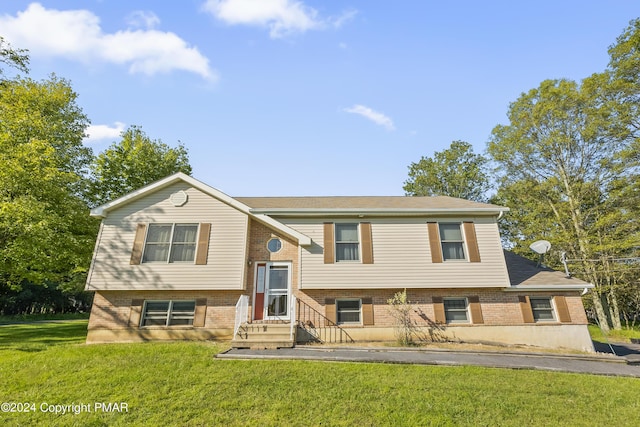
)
(179, 198)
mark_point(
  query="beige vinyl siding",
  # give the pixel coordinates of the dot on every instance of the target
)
(226, 260)
(403, 257)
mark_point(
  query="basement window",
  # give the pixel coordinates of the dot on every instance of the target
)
(456, 310)
(542, 309)
(348, 311)
(168, 313)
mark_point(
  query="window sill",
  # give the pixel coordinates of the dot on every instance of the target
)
(168, 263)
(168, 327)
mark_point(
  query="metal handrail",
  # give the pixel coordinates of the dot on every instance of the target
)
(292, 316)
(319, 326)
(242, 310)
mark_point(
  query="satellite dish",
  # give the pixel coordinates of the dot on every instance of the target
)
(540, 247)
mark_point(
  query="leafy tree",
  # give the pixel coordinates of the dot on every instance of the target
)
(46, 234)
(16, 58)
(455, 172)
(622, 94)
(133, 162)
(558, 158)
(624, 70)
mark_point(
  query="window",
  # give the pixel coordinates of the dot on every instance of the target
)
(170, 243)
(168, 313)
(542, 309)
(348, 311)
(455, 310)
(347, 243)
(274, 245)
(452, 241)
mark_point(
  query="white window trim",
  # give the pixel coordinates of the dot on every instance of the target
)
(552, 304)
(359, 242)
(465, 250)
(466, 310)
(351, 311)
(173, 227)
(169, 314)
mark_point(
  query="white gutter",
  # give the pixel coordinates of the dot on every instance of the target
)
(374, 211)
(547, 288)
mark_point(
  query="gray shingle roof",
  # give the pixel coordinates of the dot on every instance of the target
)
(364, 202)
(523, 271)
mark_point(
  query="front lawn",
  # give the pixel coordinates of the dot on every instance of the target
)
(29, 318)
(182, 384)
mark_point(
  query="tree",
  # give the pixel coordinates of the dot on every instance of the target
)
(624, 70)
(16, 58)
(455, 172)
(133, 162)
(46, 234)
(622, 93)
(400, 309)
(558, 157)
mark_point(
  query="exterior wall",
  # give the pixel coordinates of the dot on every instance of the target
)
(402, 257)
(499, 308)
(111, 311)
(503, 321)
(226, 260)
(565, 336)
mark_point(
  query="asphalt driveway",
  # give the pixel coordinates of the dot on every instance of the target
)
(626, 363)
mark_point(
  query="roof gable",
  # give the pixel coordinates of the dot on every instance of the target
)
(103, 210)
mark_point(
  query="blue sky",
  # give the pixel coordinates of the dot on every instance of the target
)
(310, 97)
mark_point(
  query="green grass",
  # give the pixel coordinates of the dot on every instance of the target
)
(623, 335)
(182, 384)
(34, 337)
(27, 318)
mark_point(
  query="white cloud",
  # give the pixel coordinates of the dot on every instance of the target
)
(375, 116)
(99, 132)
(77, 35)
(282, 17)
(143, 19)
(344, 18)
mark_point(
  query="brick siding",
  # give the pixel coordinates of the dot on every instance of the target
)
(498, 307)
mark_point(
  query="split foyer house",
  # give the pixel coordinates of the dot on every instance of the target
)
(179, 259)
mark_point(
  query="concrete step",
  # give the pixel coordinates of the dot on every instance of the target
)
(262, 343)
(271, 332)
(265, 327)
(263, 335)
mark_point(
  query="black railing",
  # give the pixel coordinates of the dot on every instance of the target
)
(318, 327)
